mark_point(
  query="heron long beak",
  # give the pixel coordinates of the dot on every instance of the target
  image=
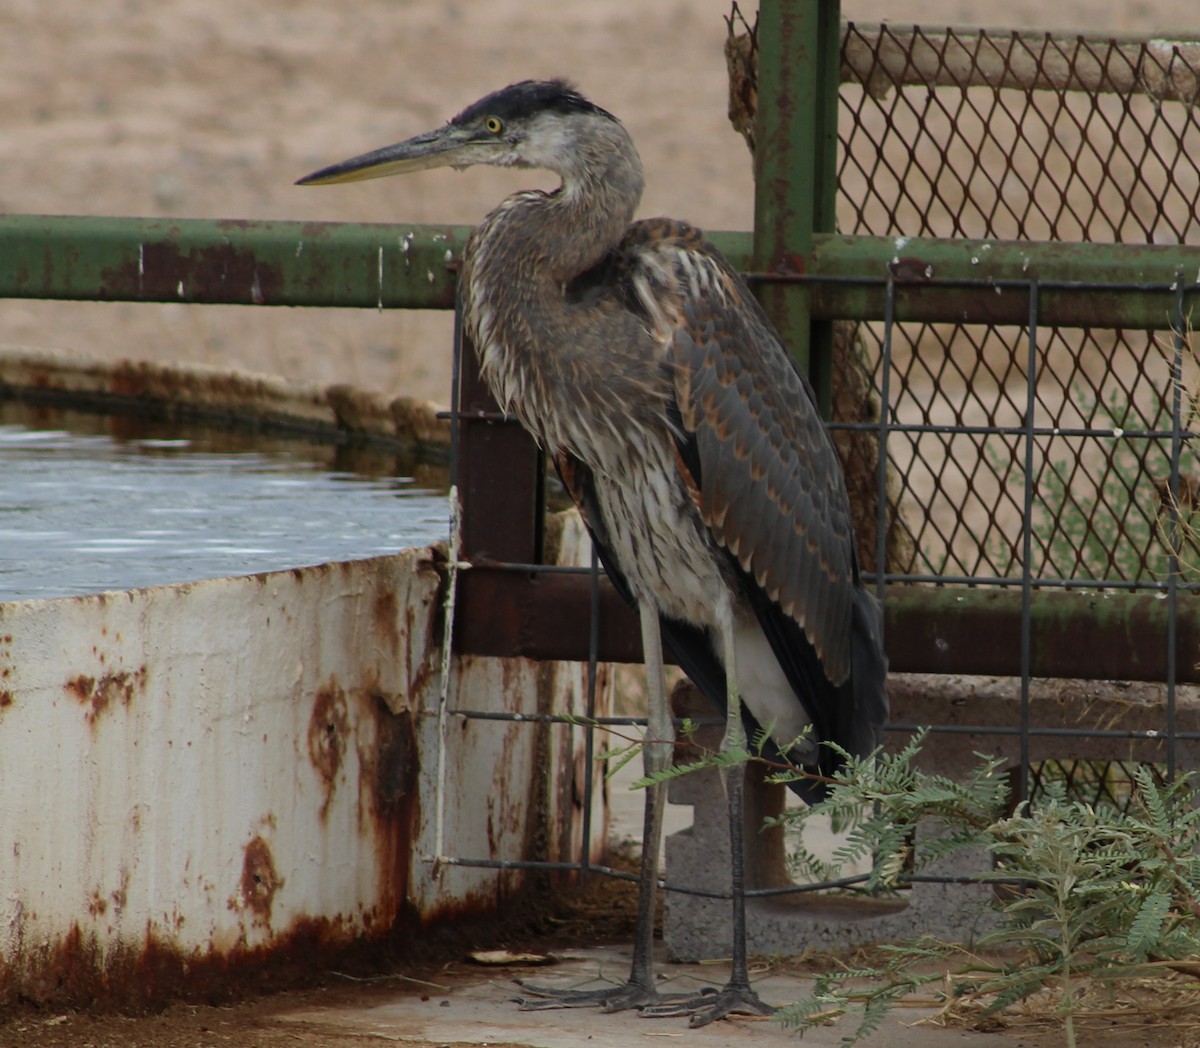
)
(444, 147)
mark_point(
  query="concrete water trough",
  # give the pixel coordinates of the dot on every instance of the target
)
(235, 767)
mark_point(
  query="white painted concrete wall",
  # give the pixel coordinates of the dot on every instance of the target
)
(209, 770)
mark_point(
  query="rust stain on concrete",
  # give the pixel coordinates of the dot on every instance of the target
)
(389, 802)
(145, 974)
(97, 694)
(328, 736)
(384, 616)
(260, 881)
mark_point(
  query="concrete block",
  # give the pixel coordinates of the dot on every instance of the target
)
(699, 928)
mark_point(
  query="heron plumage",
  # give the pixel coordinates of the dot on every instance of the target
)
(754, 459)
(682, 378)
(641, 362)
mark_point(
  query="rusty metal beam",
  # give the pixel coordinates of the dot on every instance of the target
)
(409, 266)
(499, 476)
(987, 281)
(893, 54)
(1118, 636)
(1089, 636)
(230, 262)
(504, 613)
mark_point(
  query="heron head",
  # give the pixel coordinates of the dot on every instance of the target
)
(535, 123)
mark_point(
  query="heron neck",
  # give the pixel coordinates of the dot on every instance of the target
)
(517, 269)
(587, 216)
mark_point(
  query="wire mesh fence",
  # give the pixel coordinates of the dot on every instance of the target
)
(990, 135)
(1070, 464)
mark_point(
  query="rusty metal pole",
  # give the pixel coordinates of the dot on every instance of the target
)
(795, 167)
(499, 476)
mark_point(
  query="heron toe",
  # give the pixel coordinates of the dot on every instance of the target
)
(630, 995)
(732, 1000)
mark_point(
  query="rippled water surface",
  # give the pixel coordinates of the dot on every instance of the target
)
(87, 512)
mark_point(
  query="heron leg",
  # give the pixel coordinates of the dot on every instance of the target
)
(639, 991)
(737, 997)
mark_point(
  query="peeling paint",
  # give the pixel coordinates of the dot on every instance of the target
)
(214, 272)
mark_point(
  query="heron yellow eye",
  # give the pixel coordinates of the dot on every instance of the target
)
(494, 124)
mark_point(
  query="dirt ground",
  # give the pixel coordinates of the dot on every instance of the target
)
(206, 108)
(314, 1014)
(268, 1024)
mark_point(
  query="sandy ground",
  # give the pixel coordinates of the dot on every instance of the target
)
(209, 109)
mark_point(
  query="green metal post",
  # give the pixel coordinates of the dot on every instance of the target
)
(795, 166)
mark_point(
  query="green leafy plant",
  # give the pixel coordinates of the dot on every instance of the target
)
(1179, 523)
(1086, 897)
(1103, 520)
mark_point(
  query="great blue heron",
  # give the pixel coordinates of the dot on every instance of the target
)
(638, 358)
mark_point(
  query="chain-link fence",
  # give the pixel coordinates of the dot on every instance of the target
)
(1030, 136)
(1024, 136)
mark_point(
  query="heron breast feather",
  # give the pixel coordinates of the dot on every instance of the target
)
(663, 548)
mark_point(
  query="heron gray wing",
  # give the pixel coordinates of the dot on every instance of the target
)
(765, 475)
(691, 647)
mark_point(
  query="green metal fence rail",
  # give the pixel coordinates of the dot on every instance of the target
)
(379, 266)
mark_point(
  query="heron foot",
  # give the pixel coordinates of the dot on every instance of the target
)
(630, 995)
(707, 1007)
